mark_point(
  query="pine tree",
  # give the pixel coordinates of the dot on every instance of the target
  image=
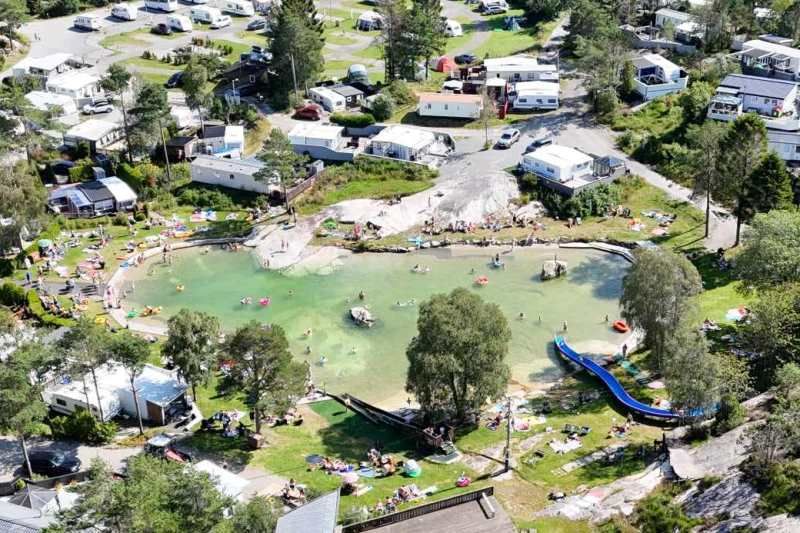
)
(426, 29)
(769, 187)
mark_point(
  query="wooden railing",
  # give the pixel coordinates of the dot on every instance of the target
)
(419, 510)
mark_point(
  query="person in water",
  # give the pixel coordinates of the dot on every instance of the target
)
(361, 295)
(322, 360)
(522, 316)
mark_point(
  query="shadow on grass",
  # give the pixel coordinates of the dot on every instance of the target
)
(713, 277)
(233, 450)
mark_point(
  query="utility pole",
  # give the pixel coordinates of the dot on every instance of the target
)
(508, 435)
(294, 75)
(166, 155)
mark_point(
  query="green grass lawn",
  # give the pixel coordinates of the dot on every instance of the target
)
(341, 35)
(253, 37)
(554, 524)
(254, 137)
(721, 290)
(130, 38)
(502, 43)
(329, 431)
(455, 45)
(657, 118)
(336, 69)
(373, 51)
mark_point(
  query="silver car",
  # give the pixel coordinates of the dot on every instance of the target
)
(508, 137)
(101, 106)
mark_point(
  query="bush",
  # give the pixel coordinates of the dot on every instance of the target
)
(382, 107)
(657, 513)
(140, 217)
(780, 488)
(120, 219)
(356, 120)
(6, 268)
(37, 309)
(213, 198)
(12, 294)
(84, 427)
(401, 92)
(731, 414)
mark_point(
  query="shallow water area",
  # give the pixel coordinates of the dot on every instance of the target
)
(371, 362)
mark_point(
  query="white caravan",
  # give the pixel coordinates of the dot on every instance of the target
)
(239, 7)
(179, 23)
(204, 14)
(124, 11)
(167, 6)
(87, 22)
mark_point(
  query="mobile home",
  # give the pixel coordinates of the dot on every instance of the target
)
(328, 99)
(204, 14)
(239, 7)
(179, 23)
(535, 95)
(124, 11)
(87, 22)
(167, 6)
(449, 105)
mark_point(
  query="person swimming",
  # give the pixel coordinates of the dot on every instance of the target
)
(322, 360)
(308, 333)
(247, 300)
(361, 295)
(353, 350)
(308, 349)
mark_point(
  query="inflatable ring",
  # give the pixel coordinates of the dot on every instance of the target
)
(620, 326)
(482, 281)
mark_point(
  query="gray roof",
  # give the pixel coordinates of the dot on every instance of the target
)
(347, 90)
(757, 86)
(33, 497)
(318, 516)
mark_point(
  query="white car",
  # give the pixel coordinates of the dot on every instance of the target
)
(508, 137)
(98, 107)
(221, 22)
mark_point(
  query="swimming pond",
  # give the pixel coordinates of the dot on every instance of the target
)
(371, 362)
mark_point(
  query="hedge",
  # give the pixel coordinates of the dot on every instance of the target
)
(48, 319)
(12, 294)
(353, 120)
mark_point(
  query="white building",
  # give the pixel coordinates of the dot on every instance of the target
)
(157, 390)
(232, 173)
(519, 68)
(402, 142)
(98, 134)
(657, 76)
(330, 100)
(44, 67)
(764, 58)
(666, 16)
(769, 97)
(317, 135)
(558, 163)
(223, 140)
(44, 101)
(80, 85)
(535, 95)
(449, 105)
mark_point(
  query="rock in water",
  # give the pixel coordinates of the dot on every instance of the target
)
(553, 269)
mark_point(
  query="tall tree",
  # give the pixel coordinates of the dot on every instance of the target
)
(397, 56)
(657, 293)
(769, 256)
(264, 369)
(743, 147)
(87, 348)
(426, 30)
(193, 83)
(691, 373)
(131, 352)
(117, 81)
(192, 343)
(22, 411)
(769, 187)
(13, 13)
(154, 496)
(704, 141)
(587, 18)
(22, 201)
(458, 358)
(603, 57)
(695, 100)
(150, 115)
(280, 161)
(296, 43)
(258, 515)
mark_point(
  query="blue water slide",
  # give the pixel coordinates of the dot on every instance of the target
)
(611, 382)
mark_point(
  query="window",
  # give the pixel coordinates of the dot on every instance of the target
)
(766, 100)
(232, 177)
(797, 149)
(550, 169)
(59, 401)
(427, 106)
(445, 107)
(551, 100)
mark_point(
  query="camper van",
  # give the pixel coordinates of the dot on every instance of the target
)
(204, 14)
(167, 6)
(239, 7)
(179, 23)
(329, 100)
(221, 21)
(452, 28)
(124, 12)
(87, 22)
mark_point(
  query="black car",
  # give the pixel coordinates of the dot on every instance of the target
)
(465, 59)
(257, 24)
(174, 80)
(51, 463)
(538, 143)
(161, 29)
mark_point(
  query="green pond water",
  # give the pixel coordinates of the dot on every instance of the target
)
(371, 363)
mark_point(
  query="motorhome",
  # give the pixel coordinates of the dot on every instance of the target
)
(167, 6)
(87, 22)
(452, 28)
(204, 14)
(179, 23)
(124, 11)
(239, 7)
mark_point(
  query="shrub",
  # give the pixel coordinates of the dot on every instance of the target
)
(6, 268)
(401, 92)
(11, 294)
(84, 427)
(202, 197)
(353, 120)
(657, 513)
(731, 414)
(140, 217)
(120, 219)
(382, 107)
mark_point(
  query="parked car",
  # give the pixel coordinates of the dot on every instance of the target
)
(51, 463)
(161, 29)
(465, 59)
(508, 138)
(223, 21)
(308, 112)
(538, 143)
(99, 106)
(174, 80)
(163, 447)
(494, 10)
(257, 24)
